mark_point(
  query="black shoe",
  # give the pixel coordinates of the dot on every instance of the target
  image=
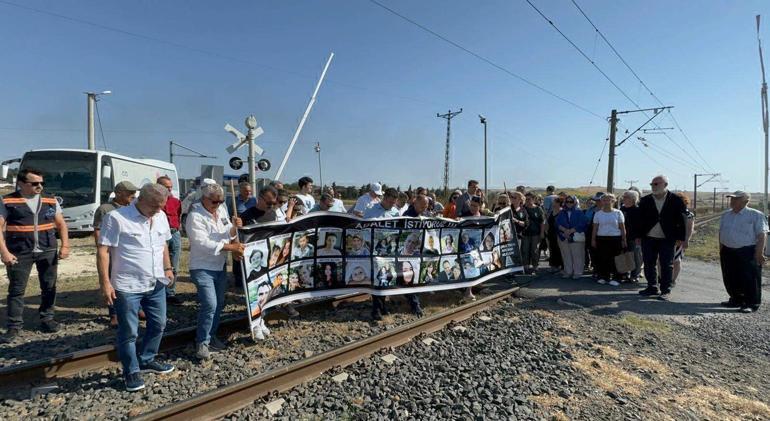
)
(49, 326)
(649, 291)
(291, 311)
(134, 382)
(174, 300)
(665, 295)
(11, 334)
(377, 316)
(746, 309)
(730, 304)
(156, 367)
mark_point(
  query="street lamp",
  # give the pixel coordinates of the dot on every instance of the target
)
(483, 120)
(91, 98)
(320, 173)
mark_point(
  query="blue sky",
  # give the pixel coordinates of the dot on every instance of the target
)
(187, 68)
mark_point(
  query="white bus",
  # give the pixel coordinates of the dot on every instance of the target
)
(83, 179)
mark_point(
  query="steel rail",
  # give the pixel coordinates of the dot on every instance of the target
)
(227, 399)
(71, 363)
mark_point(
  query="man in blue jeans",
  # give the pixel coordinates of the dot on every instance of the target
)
(133, 240)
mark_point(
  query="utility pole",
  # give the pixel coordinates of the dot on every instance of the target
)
(320, 173)
(611, 163)
(613, 144)
(91, 104)
(448, 116)
(483, 121)
(696, 185)
(631, 183)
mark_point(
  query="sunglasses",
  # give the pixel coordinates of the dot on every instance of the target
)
(35, 183)
(216, 202)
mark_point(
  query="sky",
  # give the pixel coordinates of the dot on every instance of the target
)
(180, 70)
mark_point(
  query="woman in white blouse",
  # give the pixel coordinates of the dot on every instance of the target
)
(211, 235)
(609, 239)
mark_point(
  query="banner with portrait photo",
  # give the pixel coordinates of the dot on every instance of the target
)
(326, 254)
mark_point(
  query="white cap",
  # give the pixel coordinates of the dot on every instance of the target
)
(208, 181)
(377, 189)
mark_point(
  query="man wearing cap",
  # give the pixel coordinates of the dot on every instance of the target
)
(173, 211)
(368, 200)
(742, 236)
(124, 195)
(661, 228)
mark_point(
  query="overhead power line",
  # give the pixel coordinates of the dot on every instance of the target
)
(641, 82)
(484, 59)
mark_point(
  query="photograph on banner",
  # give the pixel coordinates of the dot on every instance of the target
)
(470, 239)
(490, 238)
(491, 260)
(358, 242)
(329, 242)
(408, 270)
(429, 270)
(385, 242)
(280, 250)
(279, 280)
(255, 254)
(469, 264)
(301, 275)
(449, 238)
(358, 272)
(410, 243)
(432, 245)
(328, 273)
(257, 293)
(303, 244)
(385, 272)
(506, 234)
(450, 269)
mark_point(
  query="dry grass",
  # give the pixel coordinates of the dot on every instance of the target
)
(607, 352)
(609, 377)
(643, 323)
(649, 365)
(568, 340)
(719, 404)
(547, 401)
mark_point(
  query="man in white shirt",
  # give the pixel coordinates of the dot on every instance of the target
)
(742, 237)
(134, 239)
(368, 200)
(306, 194)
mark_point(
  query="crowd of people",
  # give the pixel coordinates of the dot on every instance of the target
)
(139, 246)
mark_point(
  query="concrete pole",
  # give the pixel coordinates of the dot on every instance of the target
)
(611, 163)
(90, 121)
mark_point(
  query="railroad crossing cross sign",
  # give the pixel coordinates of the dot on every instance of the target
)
(254, 132)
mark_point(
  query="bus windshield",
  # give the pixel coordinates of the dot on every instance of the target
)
(69, 175)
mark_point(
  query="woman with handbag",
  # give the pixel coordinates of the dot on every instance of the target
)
(571, 226)
(608, 240)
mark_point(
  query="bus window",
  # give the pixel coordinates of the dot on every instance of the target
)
(107, 182)
(69, 175)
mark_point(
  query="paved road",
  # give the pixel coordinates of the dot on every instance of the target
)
(698, 292)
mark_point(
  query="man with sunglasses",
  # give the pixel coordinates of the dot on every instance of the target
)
(30, 220)
(661, 226)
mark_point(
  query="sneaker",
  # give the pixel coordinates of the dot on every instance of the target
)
(156, 367)
(291, 311)
(469, 297)
(258, 335)
(174, 300)
(202, 351)
(215, 344)
(665, 295)
(730, 304)
(614, 283)
(601, 281)
(134, 382)
(263, 328)
(746, 310)
(49, 326)
(649, 291)
(11, 334)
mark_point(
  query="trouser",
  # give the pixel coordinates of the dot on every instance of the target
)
(174, 252)
(378, 303)
(590, 252)
(637, 249)
(741, 274)
(46, 264)
(237, 274)
(211, 285)
(127, 306)
(653, 251)
(530, 251)
(606, 249)
(573, 255)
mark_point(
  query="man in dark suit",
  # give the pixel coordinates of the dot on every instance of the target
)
(446, 274)
(661, 228)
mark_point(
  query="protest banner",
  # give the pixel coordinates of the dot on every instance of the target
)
(326, 254)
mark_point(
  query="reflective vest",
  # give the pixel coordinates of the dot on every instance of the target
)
(20, 224)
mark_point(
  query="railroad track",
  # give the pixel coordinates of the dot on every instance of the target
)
(706, 219)
(227, 399)
(69, 364)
